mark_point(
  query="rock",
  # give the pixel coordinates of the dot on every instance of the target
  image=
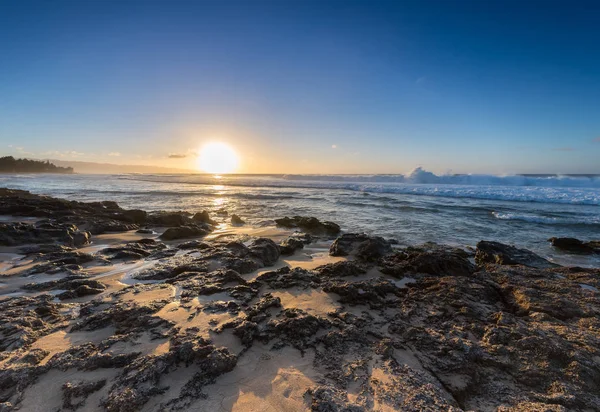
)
(431, 259)
(145, 231)
(193, 244)
(75, 393)
(286, 278)
(309, 224)
(182, 232)
(18, 233)
(498, 253)
(142, 378)
(81, 238)
(203, 217)
(143, 248)
(377, 293)
(362, 246)
(266, 250)
(341, 269)
(25, 319)
(100, 226)
(570, 244)
(236, 220)
(290, 245)
(134, 216)
(169, 219)
(45, 248)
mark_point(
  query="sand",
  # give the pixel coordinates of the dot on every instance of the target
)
(263, 380)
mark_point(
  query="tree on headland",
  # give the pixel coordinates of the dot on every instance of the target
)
(9, 164)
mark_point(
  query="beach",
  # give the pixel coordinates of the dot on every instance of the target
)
(118, 309)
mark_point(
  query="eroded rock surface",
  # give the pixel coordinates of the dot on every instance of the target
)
(573, 245)
(496, 252)
(203, 324)
(309, 224)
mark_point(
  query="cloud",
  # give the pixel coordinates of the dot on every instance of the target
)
(115, 154)
(177, 156)
(334, 146)
(67, 153)
(20, 150)
(597, 139)
(420, 80)
(563, 149)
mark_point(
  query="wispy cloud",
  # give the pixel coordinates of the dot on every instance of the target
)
(334, 146)
(564, 149)
(67, 153)
(597, 139)
(20, 150)
(421, 80)
(114, 154)
(187, 153)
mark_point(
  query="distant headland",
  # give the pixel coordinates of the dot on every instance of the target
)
(9, 164)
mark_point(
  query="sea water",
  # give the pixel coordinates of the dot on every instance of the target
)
(414, 208)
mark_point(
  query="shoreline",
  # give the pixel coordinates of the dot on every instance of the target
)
(195, 314)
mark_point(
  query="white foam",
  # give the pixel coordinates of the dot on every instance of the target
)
(590, 220)
(544, 189)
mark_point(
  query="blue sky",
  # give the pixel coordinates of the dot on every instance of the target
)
(305, 87)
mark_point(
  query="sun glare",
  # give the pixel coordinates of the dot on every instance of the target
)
(217, 158)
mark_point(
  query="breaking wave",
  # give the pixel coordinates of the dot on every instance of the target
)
(422, 176)
(583, 190)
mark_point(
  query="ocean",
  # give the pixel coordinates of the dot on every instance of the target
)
(523, 210)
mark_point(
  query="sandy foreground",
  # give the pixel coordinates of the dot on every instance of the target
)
(262, 381)
(241, 318)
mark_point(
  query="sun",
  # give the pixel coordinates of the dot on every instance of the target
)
(217, 157)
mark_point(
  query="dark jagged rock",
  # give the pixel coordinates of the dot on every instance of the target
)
(290, 245)
(173, 268)
(431, 259)
(500, 336)
(134, 216)
(93, 214)
(285, 278)
(133, 250)
(99, 227)
(141, 379)
(45, 248)
(183, 232)
(266, 250)
(309, 224)
(341, 269)
(203, 217)
(573, 245)
(498, 253)
(75, 393)
(24, 319)
(361, 246)
(193, 244)
(210, 282)
(55, 262)
(80, 291)
(295, 327)
(126, 317)
(169, 219)
(80, 238)
(236, 220)
(18, 233)
(69, 282)
(376, 293)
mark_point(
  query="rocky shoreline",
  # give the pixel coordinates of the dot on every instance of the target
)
(103, 308)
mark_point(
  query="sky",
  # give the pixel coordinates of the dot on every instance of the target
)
(305, 87)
